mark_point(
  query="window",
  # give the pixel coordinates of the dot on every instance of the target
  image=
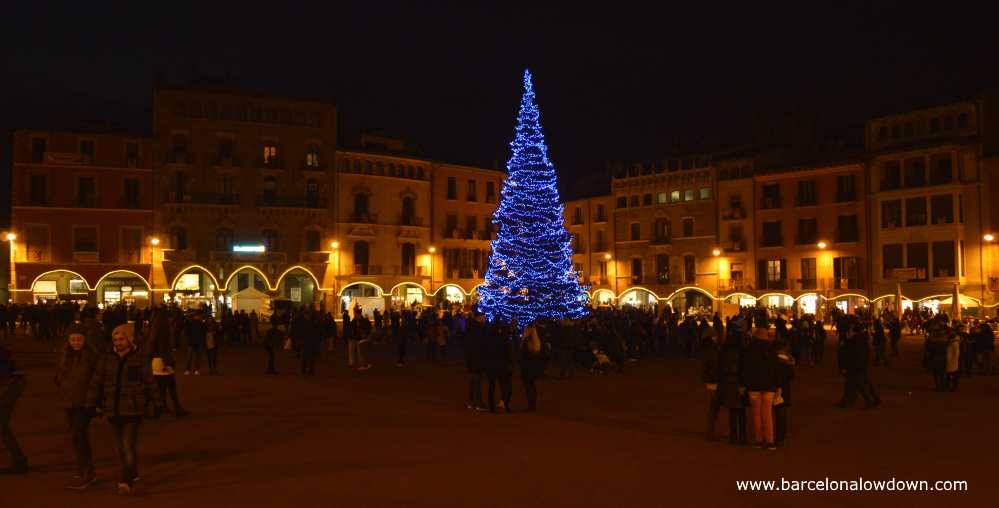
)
(662, 268)
(846, 188)
(735, 201)
(961, 253)
(705, 193)
(131, 246)
(771, 234)
(633, 201)
(38, 148)
(934, 125)
(689, 270)
(846, 228)
(452, 187)
(270, 154)
(361, 258)
(408, 211)
(773, 273)
(130, 192)
(178, 238)
(577, 215)
(688, 227)
(132, 154)
(660, 230)
(735, 271)
(225, 187)
(883, 133)
(312, 155)
(471, 224)
(688, 195)
(808, 274)
(917, 256)
(601, 213)
(735, 233)
(636, 270)
(807, 231)
(960, 208)
(361, 207)
(915, 172)
(891, 213)
(647, 200)
(271, 240)
(846, 273)
(312, 193)
(225, 149)
(223, 240)
(622, 202)
(915, 211)
(674, 196)
(450, 225)
(87, 149)
(36, 243)
(270, 190)
(39, 191)
(962, 121)
(602, 267)
(896, 132)
(941, 171)
(806, 193)
(907, 130)
(490, 192)
(662, 198)
(944, 263)
(85, 239)
(891, 258)
(472, 195)
(891, 175)
(771, 196)
(86, 192)
(636, 231)
(942, 209)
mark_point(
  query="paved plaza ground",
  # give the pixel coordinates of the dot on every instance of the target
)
(402, 437)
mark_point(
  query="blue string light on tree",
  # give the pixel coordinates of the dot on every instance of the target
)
(530, 273)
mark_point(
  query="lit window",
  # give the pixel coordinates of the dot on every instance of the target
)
(270, 153)
(661, 198)
(706, 193)
(674, 196)
(688, 195)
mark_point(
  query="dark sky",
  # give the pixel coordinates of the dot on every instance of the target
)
(615, 83)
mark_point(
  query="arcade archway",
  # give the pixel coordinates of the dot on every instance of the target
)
(123, 286)
(408, 294)
(194, 287)
(56, 285)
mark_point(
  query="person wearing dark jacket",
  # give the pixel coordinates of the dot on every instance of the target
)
(879, 344)
(121, 379)
(195, 331)
(709, 355)
(311, 339)
(76, 368)
(732, 388)
(272, 341)
(782, 398)
(760, 370)
(854, 357)
(472, 347)
(163, 363)
(532, 364)
(498, 359)
(12, 384)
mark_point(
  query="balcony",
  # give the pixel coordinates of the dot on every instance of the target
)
(130, 203)
(599, 247)
(226, 161)
(185, 255)
(86, 201)
(771, 203)
(600, 218)
(281, 202)
(362, 218)
(204, 198)
(177, 157)
(807, 238)
(367, 270)
(408, 271)
(86, 256)
(579, 249)
(314, 166)
(314, 257)
(410, 220)
(847, 236)
(271, 163)
(735, 246)
(734, 213)
(577, 221)
(771, 241)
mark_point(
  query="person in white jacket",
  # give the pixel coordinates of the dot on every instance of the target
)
(953, 361)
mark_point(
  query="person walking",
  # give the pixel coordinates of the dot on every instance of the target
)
(532, 362)
(984, 346)
(761, 383)
(272, 341)
(732, 387)
(121, 379)
(879, 344)
(12, 385)
(195, 332)
(164, 366)
(710, 357)
(895, 331)
(498, 358)
(312, 341)
(953, 355)
(854, 359)
(76, 368)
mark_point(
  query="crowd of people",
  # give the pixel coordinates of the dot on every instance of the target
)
(119, 363)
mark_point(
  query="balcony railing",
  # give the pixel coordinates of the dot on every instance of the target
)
(314, 256)
(315, 166)
(599, 247)
(600, 218)
(805, 238)
(408, 271)
(282, 202)
(367, 270)
(130, 203)
(179, 255)
(86, 256)
(272, 163)
(363, 218)
(86, 201)
(204, 198)
(734, 213)
(176, 157)
(410, 220)
(772, 242)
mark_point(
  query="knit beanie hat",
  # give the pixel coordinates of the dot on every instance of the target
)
(76, 329)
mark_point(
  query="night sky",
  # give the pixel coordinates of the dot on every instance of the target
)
(627, 84)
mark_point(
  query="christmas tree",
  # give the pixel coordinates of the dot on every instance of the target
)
(530, 273)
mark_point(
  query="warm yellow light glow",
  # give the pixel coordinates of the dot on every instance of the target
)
(989, 237)
(716, 252)
(11, 237)
(432, 249)
(334, 245)
(155, 241)
(823, 245)
(607, 257)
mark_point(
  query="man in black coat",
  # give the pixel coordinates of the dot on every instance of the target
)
(195, 331)
(854, 359)
(311, 335)
(498, 360)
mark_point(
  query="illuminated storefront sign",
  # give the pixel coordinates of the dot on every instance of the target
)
(249, 248)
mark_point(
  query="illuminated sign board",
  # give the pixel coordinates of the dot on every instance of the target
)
(188, 282)
(248, 248)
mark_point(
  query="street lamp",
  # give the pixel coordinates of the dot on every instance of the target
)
(989, 237)
(10, 237)
(432, 250)
(822, 245)
(153, 242)
(335, 247)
